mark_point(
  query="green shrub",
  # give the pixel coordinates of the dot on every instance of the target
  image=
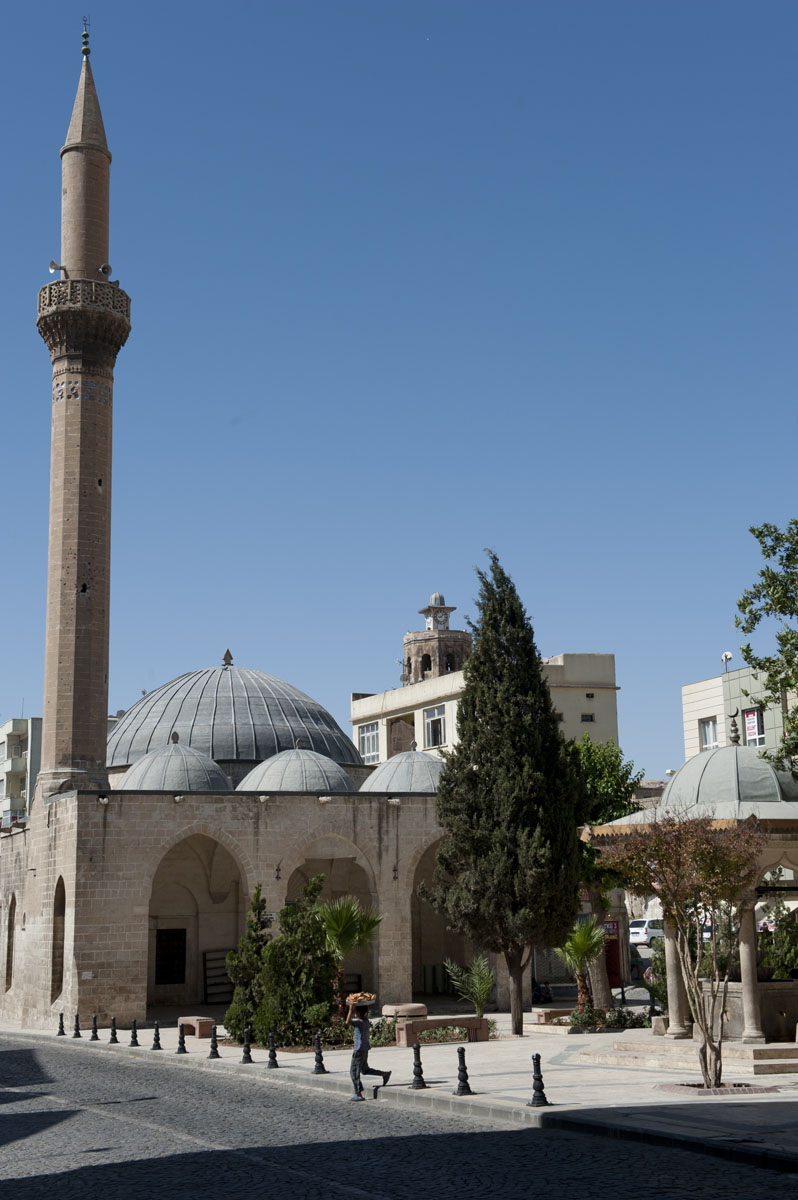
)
(244, 966)
(654, 975)
(473, 983)
(298, 974)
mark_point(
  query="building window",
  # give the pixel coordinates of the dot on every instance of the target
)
(588, 718)
(560, 716)
(426, 665)
(435, 726)
(589, 695)
(369, 741)
(754, 727)
(12, 918)
(57, 953)
(708, 733)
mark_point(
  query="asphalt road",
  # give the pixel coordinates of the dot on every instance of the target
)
(79, 1122)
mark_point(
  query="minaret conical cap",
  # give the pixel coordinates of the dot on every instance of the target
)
(86, 127)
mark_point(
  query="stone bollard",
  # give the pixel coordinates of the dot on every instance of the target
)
(538, 1095)
(181, 1040)
(463, 1088)
(134, 1036)
(61, 1030)
(113, 1039)
(272, 1063)
(214, 1050)
(95, 1037)
(418, 1071)
(318, 1060)
(77, 1026)
(156, 1036)
(246, 1057)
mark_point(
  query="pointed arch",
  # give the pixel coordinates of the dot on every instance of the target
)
(57, 949)
(12, 920)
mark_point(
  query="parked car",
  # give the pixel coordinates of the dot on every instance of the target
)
(644, 932)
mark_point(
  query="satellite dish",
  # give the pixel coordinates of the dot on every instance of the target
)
(403, 678)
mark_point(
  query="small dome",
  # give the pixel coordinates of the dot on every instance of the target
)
(302, 771)
(174, 768)
(731, 781)
(436, 600)
(410, 771)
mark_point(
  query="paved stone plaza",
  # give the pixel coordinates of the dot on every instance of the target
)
(82, 1121)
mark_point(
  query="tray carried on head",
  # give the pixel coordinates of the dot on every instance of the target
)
(359, 999)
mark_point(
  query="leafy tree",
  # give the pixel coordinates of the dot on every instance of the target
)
(298, 973)
(583, 946)
(509, 798)
(474, 982)
(775, 597)
(700, 872)
(244, 966)
(610, 783)
(349, 927)
(780, 943)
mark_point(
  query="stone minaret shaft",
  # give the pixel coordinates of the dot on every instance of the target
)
(85, 320)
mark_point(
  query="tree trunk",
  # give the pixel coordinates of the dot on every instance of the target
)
(515, 969)
(602, 993)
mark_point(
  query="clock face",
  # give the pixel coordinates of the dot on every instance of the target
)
(441, 620)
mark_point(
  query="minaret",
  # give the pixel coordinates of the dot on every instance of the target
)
(85, 319)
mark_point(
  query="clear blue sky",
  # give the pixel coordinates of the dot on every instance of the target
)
(411, 279)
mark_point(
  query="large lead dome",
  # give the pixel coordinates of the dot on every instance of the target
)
(232, 714)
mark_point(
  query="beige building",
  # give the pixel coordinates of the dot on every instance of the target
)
(709, 704)
(423, 711)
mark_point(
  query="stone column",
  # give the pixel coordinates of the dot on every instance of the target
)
(752, 1021)
(678, 1012)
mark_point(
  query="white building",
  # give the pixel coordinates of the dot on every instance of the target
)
(424, 710)
(20, 750)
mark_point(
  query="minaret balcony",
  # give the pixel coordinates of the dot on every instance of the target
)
(84, 293)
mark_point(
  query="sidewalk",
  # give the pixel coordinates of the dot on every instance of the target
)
(584, 1093)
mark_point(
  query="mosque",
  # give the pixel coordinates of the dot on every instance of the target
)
(131, 877)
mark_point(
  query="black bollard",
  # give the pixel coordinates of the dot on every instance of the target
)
(246, 1057)
(156, 1036)
(134, 1037)
(113, 1039)
(95, 1037)
(214, 1050)
(181, 1040)
(463, 1088)
(272, 1063)
(318, 1060)
(61, 1030)
(418, 1071)
(538, 1095)
(77, 1026)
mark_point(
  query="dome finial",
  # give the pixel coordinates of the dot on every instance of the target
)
(227, 659)
(86, 49)
(734, 733)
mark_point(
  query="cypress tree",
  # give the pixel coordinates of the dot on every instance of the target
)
(510, 796)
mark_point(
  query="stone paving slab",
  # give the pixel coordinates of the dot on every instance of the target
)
(585, 1095)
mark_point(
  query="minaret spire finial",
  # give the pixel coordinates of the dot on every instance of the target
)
(86, 48)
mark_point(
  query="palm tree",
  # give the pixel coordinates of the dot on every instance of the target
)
(349, 927)
(584, 944)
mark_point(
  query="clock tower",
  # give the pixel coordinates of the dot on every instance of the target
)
(436, 650)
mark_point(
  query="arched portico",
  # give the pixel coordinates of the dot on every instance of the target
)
(346, 873)
(196, 915)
